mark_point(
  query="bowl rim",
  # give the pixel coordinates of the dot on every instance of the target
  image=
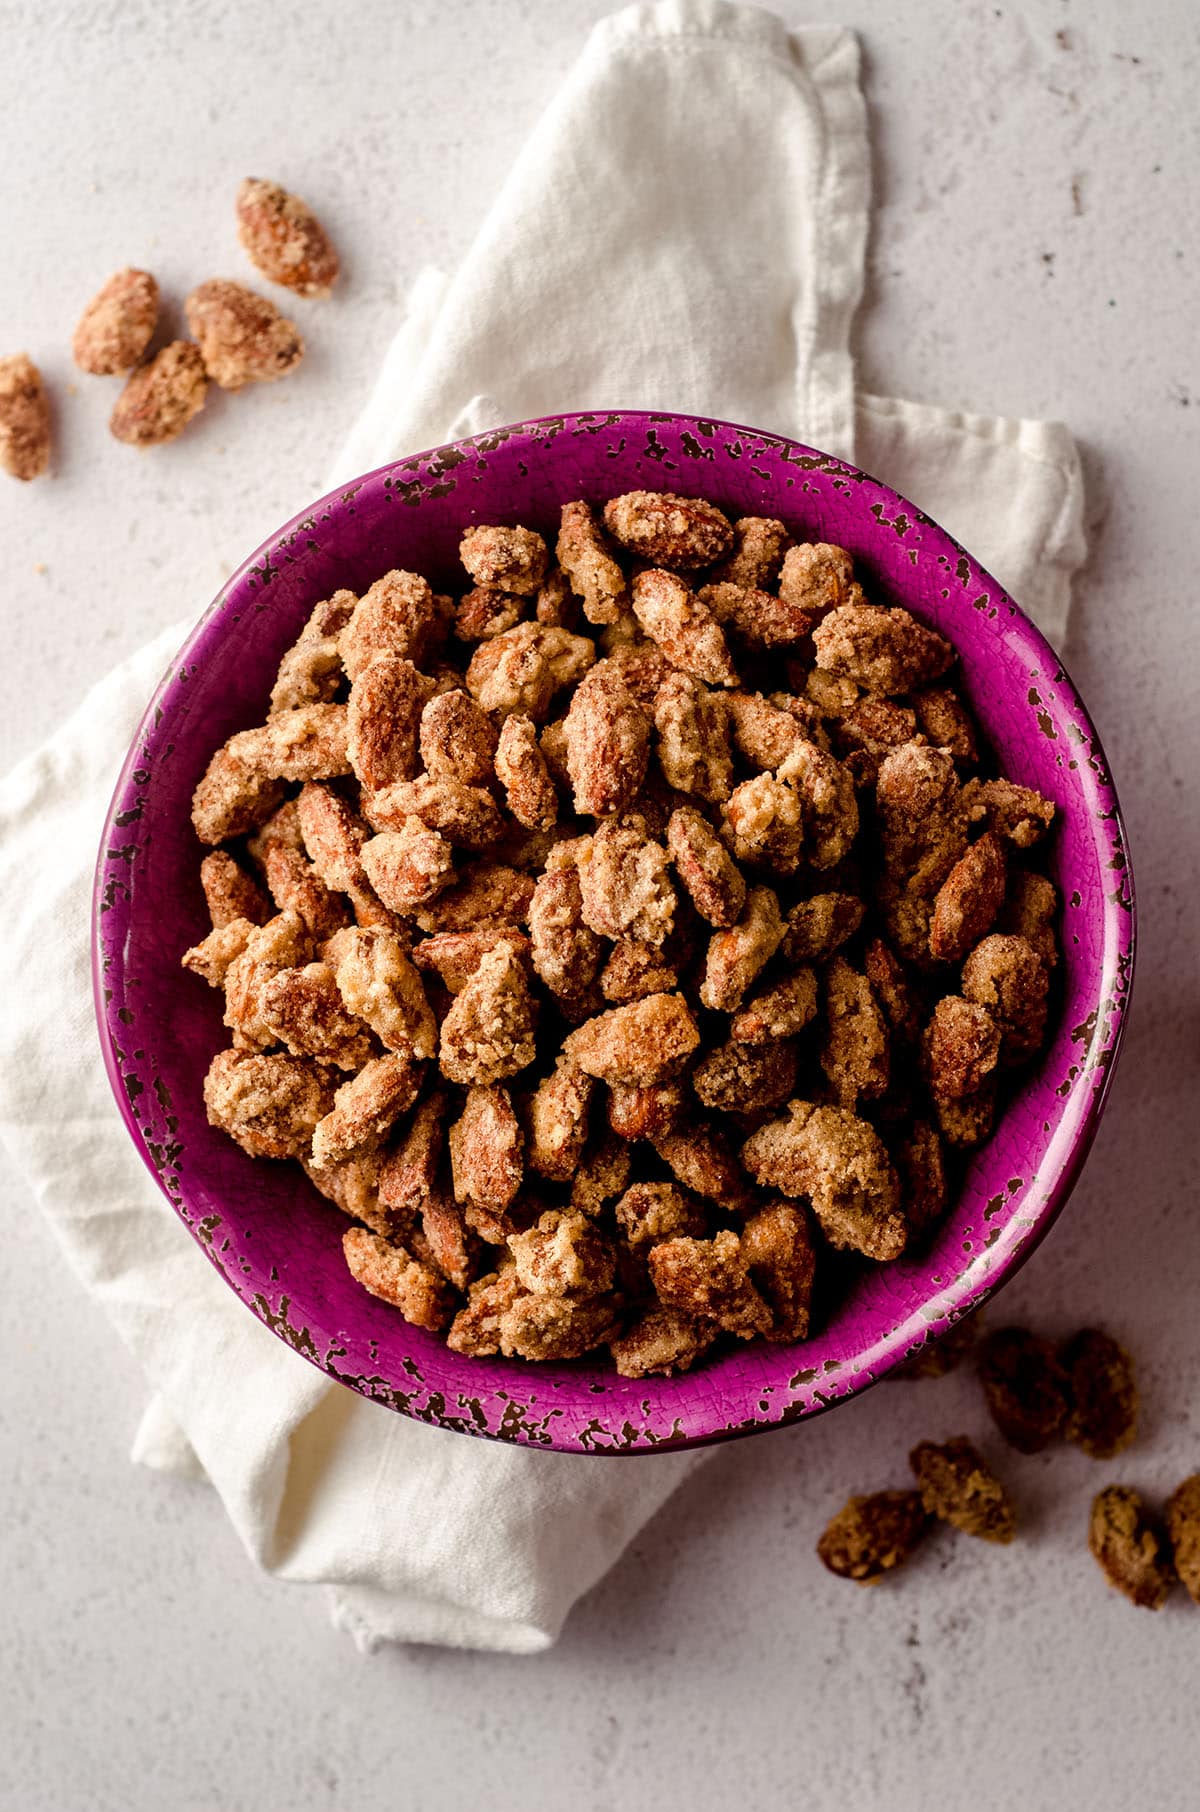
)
(939, 1311)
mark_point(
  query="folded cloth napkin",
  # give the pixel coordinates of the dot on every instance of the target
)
(685, 229)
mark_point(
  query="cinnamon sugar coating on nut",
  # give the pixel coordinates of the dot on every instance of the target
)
(625, 887)
(677, 532)
(924, 1185)
(816, 577)
(566, 953)
(764, 824)
(649, 1212)
(958, 1486)
(702, 1159)
(504, 559)
(709, 1279)
(333, 835)
(354, 1188)
(269, 1104)
(117, 325)
(684, 628)
(635, 969)
(483, 612)
(745, 1078)
(841, 1165)
(309, 743)
(826, 792)
(381, 987)
(947, 723)
(541, 1326)
(408, 867)
(1025, 1388)
(607, 742)
(584, 556)
(664, 1342)
(780, 1011)
(476, 1328)
(1030, 910)
(366, 1108)
(396, 616)
(818, 926)
(458, 740)
(779, 1254)
(1102, 1419)
(1016, 813)
(230, 893)
(304, 1010)
(488, 1034)
(856, 1050)
(160, 398)
(763, 734)
(466, 816)
(759, 544)
(1006, 975)
(968, 900)
(693, 738)
(711, 878)
(455, 955)
(871, 1535)
(214, 956)
(1183, 1528)
(522, 669)
(383, 719)
(489, 893)
(486, 1158)
(644, 1042)
(284, 942)
(521, 770)
(295, 886)
(885, 651)
(563, 1255)
(1128, 1548)
(737, 956)
(602, 1175)
(395, 1276)
(310, 673)
(409, 1170)
(558, 1121)
(243, 338)
(450, 1244)
(650, 1111)
(961, 1049)
(284, 238)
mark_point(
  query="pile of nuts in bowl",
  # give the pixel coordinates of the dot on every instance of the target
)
(612, 939)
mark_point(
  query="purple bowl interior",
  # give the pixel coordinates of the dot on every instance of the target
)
(278, 1244)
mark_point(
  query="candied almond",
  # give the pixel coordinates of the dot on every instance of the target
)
(160, 398)
(967, 1123)
(269, 1104)
(764, 824)
(709, 1278)
(893, 990)
(826, 793)
(380, 986)
(284, 239)
(947, 723)
(521, 770)
(885, 651)
(1017, 813)
(924, 1186)
(308, 743)
(522, 669)
(855, 1051)
(780, 1011)
(664, 1342)
(395, 616)
(304, 1010)
(450, 1244)
(922, 815)
(408, 867)
(457, 738)
(117, 325)
(563, 1255)
(1183, 1528)
(1103, 1415)
(230, 893)
(702, 1159)
(408, 1172)
(842, 1166)
(476, 1328)
(486, 1147)
(295, 886)
(558, 1121)
(685, 629)
(649, 1212)
(466, 816)
(624, 883)
(763, 733)
(759, 545)
(504, 559)
(606, 735)
(540, 1326)
(778, 1250)
(650, 1111)
(818, 926)
(668, 530)
(354, 1188)
(284, 942)
(488, 893)
(394, 1275)
(644, 1042)
(737, 956)
(602, 1175)
(243, 338)
(583, 554)
(333, 835)
(958, 1486)
(214, 956)
(711, 878)
(483, 612)
(488, 1034)
(871, 1535)
(961, 1048)
(565, 952)
(635, 969)
(1025, 1387)
(816, 577)
(968, 900)
(746, 1078)
(1128, 1548)
(455, 955)
(1006, 975)
(365, 1108)
(311, 671)
(693, 738)
(383, 719)
(1030, 911)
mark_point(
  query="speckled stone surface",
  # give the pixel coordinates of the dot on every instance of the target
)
(1028, 256)
(273, 1239)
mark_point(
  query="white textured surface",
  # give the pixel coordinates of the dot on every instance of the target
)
(143, 1664)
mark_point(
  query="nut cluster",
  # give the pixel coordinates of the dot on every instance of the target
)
(612, 937)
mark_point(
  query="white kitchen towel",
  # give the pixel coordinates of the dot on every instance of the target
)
(685, 229)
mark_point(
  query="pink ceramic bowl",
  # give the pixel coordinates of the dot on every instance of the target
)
(278, 1244)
